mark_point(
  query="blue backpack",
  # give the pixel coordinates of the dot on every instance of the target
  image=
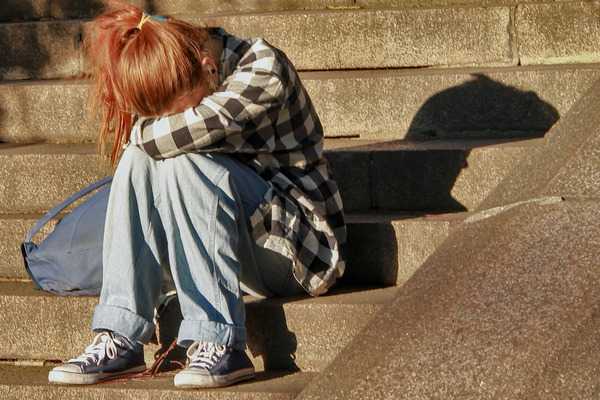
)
(69, 260)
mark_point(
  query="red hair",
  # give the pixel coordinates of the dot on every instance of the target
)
(139, 71)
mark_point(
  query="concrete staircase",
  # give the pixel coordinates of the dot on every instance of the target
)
(427, 106)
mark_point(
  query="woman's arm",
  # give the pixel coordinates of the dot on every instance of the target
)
(249, 99)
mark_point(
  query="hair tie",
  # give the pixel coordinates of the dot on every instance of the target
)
(146, 17)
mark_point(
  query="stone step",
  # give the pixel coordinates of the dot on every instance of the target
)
(384, 249)
(431, 177)
(398, 104)
(388, 249)
(504, 35)
(18, 382)
(32, 10)
(434, 176)
(36, 177)
(292, 333)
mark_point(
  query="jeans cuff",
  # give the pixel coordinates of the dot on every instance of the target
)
(226, 335)
(124, 322)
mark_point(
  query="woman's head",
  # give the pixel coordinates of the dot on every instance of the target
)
(143, 65)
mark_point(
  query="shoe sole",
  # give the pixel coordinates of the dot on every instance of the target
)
(195, 380)
(75, 378)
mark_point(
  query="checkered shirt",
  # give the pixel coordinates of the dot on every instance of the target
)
(263, 116)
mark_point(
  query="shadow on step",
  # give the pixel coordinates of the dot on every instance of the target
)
(477, 109)
(268, 335)
(418, 173)
(27, 51)
(32, 10)
(23, 56)
(481, 108)
(372, 257)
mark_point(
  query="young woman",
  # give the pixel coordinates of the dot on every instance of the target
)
(221, 179)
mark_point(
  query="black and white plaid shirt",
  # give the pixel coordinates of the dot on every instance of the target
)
(262, 114)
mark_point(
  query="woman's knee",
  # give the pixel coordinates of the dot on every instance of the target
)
(197, 168)
(136, 175)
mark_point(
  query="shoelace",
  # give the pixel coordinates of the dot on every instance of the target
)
(104, 345)
(205, 355)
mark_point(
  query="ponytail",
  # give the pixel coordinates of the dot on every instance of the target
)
(139, 65)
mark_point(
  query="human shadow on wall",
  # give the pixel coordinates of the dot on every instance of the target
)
(480, 108)
(416, 175)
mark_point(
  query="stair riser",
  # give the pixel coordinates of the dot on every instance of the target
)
(50, 327)
(37, 182)
(12, 233)
(388, 253)
(380, 253)
(356, 39)
(427, 38)
(41, 50)
(147, 389)
(375, 105)
(436, 180)
(40, 9)
(514, 102)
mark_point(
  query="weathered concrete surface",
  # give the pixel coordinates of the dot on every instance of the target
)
(386, 176)
(342, 39)
(321, 40)
(386, 249)
(333, 37)
(498, 311)
(19, 10)
(39, 50)
(438, 3)
(436, 176)
(442, 179)
(33, 176)
(558, 33)
(507, 306)
(391, 105)
(13, 229)
(476, 103)
(567, 165)
(54, 111)
(293, 333)
(31, 383)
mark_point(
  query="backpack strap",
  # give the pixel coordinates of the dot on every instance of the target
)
(58, 208)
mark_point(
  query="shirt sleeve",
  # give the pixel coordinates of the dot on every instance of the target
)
(250, 98)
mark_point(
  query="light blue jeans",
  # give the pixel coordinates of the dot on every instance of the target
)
(185, 220)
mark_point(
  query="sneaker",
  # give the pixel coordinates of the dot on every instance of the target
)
(106, 358)
(212, 365)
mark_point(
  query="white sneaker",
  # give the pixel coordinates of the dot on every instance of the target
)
(212, 365)
(106, 358)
